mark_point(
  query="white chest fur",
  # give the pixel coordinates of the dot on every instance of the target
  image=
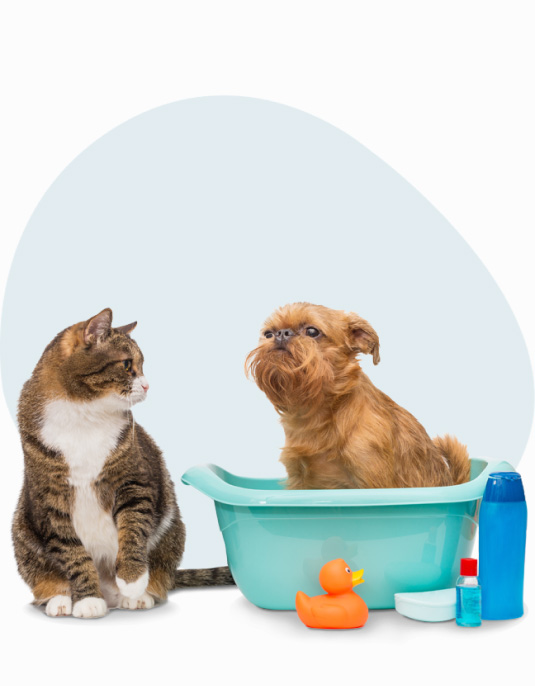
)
(86, 434)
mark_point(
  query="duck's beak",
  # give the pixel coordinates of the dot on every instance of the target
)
(357, 577)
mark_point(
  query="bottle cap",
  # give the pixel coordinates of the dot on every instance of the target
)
(468, 566)
(504, 487)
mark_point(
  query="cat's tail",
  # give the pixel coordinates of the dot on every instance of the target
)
(190, 578)
(457, 457)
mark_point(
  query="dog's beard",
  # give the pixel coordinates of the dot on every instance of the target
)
(292, 378)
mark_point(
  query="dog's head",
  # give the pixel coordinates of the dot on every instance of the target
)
(307, 352)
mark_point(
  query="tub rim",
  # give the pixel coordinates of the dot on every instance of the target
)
(213, 481)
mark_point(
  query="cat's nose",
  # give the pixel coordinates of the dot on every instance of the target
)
(145, 385)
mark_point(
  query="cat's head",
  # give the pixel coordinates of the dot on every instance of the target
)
(92, 360)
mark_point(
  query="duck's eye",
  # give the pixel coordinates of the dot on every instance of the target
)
(268, 334)
(312, 332)
(348, 570)
(127, 364)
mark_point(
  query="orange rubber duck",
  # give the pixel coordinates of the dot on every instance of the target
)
(341, 608)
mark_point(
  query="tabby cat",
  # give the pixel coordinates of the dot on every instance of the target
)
(97, 524)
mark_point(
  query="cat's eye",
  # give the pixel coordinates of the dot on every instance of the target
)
(312, 332)
(268, 334)
(127, 364)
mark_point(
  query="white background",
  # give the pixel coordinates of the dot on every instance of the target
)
(443, 92)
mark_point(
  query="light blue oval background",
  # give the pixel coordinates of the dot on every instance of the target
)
(197, 219)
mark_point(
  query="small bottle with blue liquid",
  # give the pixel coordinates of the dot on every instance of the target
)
(468, 607)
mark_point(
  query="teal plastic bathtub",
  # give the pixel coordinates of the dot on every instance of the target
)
(405, 539)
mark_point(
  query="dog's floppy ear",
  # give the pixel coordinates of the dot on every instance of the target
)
(363, 337)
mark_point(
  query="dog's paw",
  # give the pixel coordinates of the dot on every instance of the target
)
(59, 606)
(91, 607)
(144, 602)
(134, 589)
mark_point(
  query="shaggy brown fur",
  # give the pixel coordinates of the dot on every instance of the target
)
(76, 532)
(341, 431)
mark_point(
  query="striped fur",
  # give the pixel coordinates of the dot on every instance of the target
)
(97, 523)
(217, 576)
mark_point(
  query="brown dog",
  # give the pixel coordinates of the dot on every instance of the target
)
(341, 431)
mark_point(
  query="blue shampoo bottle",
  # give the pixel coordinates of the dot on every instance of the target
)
(502, 546)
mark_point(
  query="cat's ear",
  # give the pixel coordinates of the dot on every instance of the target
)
(98, 327)
(126, 329)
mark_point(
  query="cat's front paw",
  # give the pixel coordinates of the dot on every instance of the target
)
(134, 589)
(144, 602)
(59, 606)
(90, 607)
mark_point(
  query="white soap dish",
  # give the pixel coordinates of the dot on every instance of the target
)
(427, 606)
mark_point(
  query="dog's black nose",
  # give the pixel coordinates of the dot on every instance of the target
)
(283, 336)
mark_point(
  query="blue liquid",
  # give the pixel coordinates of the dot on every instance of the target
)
(468, 608)
(502, 545)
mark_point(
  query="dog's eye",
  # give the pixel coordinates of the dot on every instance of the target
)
(268, 334)
(312, 332)
(127, 364)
